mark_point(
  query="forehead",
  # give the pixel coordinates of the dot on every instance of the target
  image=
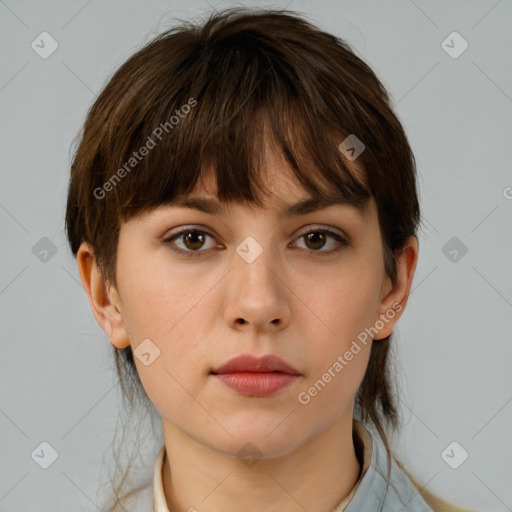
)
(281, 186)
(281, 192)
(286, 206)
(275, 172)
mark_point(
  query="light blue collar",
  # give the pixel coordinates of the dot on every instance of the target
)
(374, 494)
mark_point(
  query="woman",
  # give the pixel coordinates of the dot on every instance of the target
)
(243, 210)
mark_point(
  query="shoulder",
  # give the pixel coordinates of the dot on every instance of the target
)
(436, 503)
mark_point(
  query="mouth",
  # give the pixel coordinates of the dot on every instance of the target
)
(256, 376)
(258, 384)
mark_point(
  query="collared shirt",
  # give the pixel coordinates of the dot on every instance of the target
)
(371, 493)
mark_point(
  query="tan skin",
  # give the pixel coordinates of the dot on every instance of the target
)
(302, 306)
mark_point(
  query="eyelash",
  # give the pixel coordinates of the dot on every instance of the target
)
(191, 254)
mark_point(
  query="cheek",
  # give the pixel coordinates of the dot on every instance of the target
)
(330, 393)
(167, 307)
(340, 309)
(157, 299)
(339, 346)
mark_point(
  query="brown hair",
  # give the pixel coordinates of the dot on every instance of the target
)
(247, 77)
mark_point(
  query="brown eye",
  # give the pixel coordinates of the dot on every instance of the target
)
(315, 240)
(193, 240)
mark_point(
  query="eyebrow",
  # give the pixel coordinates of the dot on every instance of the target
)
(302, 207)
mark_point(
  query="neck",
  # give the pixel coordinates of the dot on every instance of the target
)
(315, 477)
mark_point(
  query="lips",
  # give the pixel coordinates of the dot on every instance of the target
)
(256, 376)
(249, 363)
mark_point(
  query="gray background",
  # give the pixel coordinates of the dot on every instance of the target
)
(454, 343)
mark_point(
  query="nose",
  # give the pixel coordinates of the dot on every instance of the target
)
(258, 295)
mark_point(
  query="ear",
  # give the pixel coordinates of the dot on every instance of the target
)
(394, 297)
(103, 298)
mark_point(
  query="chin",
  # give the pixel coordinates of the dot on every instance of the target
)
(264, 443)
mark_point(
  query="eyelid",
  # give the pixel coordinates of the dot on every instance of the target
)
(186, 229)
(341, 238)
(300, 232)
(323, 227)
(190, 227)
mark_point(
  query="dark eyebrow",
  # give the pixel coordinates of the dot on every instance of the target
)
(302, 207)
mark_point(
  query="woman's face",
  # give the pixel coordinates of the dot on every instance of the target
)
(251, 282)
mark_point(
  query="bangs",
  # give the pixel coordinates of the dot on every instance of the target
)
(222, 111)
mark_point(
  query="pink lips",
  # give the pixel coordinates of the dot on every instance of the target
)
(256, 376)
